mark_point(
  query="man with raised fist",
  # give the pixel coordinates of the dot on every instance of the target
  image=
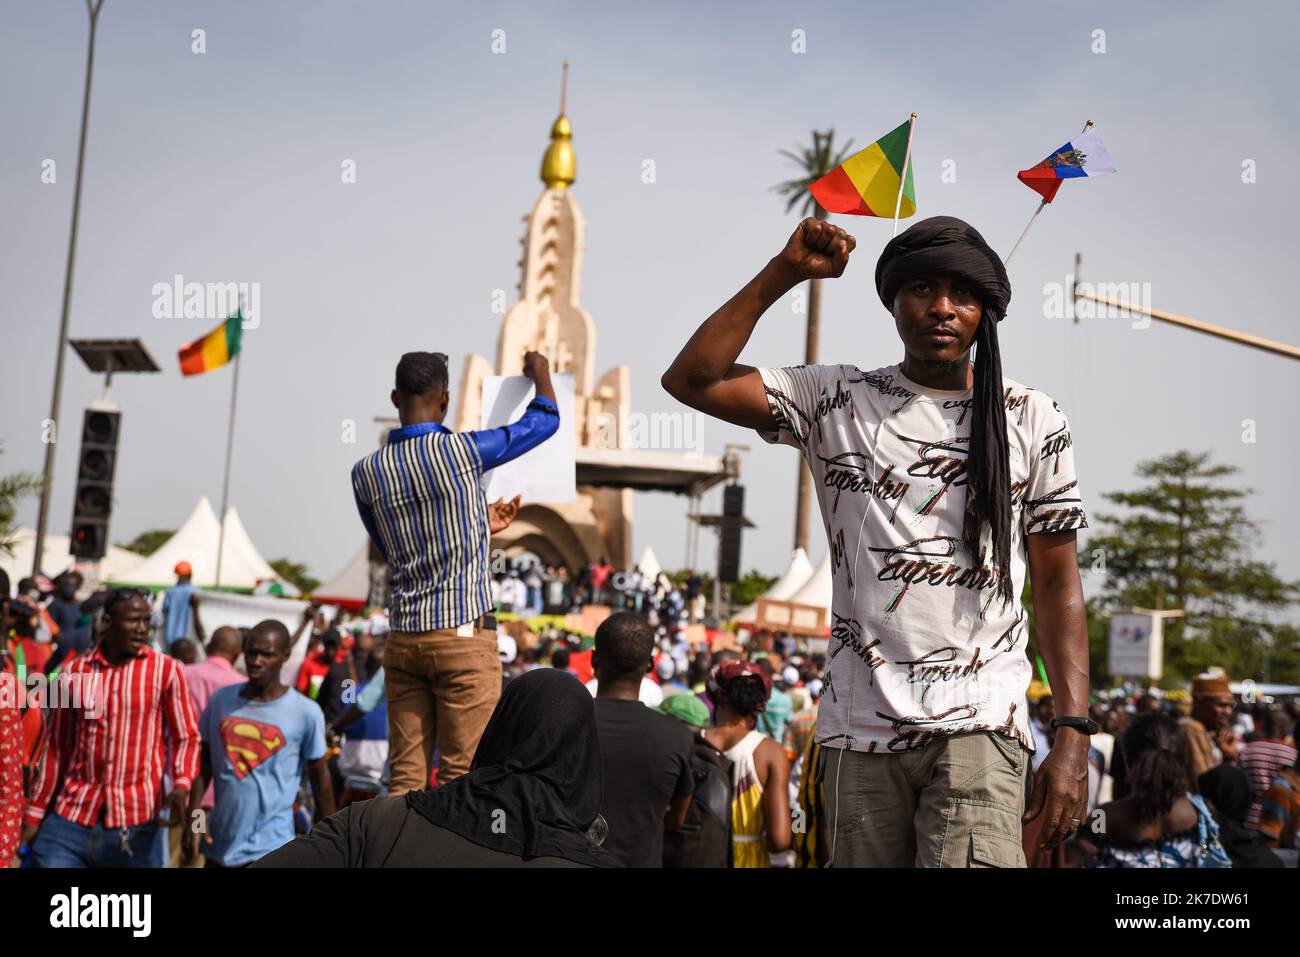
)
(939, 483)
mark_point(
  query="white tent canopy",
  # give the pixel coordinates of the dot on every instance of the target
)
(57, 558)
(819, 589)
(794, 577)
(351, 585)
(649, 564)
(242, 565)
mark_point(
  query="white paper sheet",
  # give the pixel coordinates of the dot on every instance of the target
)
(546, 473)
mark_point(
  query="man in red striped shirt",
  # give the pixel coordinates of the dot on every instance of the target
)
(1264, 759)
(117, 713)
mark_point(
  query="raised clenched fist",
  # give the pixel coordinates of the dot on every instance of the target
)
(535, 364)
(818, 250)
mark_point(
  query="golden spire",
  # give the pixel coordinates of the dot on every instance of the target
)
(559, 165)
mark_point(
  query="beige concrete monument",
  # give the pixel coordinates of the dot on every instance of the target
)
(549, 318)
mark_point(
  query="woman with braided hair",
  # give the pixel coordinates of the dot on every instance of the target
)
(760, 772)
(943, 486)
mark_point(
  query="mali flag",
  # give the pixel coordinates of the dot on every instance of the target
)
(866, 184)
(213, 350)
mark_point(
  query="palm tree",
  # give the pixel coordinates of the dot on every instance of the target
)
(12, 488)
(813, 163)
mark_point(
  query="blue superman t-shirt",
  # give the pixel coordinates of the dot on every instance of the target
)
(257, 750)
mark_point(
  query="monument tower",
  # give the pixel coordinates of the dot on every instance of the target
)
(549, 318)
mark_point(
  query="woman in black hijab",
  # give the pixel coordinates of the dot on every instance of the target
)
(1228, 790)
(530, 798)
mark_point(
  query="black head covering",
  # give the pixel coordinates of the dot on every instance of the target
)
(944, 246)
(539, 762)
(1227, 789)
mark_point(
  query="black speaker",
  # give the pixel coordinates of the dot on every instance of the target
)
(92, 502)
(733, 518)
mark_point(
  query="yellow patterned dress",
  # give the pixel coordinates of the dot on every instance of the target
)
(748, 822)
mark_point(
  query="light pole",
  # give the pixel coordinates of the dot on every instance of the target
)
(47, 475)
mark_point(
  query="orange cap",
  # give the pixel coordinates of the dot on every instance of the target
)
(1210, 686)
(183, 568)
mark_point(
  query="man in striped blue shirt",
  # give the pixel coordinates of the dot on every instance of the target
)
(421, 500)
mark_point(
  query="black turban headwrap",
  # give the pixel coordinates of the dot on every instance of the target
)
(947, 246)
(944, 246)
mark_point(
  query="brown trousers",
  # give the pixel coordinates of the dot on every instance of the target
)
(441, 688)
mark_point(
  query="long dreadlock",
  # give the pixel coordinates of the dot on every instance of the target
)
(988, 468)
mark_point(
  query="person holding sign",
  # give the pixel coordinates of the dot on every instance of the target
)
(940, 484)
(422, 504)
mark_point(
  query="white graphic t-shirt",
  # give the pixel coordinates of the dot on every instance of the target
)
(920, 645)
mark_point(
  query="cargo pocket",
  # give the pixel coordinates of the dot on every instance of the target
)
(995, 849)
(1010, 749)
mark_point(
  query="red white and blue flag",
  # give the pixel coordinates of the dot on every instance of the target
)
(1082, 156)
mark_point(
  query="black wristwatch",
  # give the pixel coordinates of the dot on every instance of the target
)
(1086, 725)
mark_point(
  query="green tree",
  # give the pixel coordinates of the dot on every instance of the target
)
(814, 162)
(146, 543)
(750, 587)
(12, 488)
(706, 579)
(296, 574)
(1184, 542)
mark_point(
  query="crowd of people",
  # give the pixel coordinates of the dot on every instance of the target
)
(530, 588)
(1178, 780)
(448, 731)
(699, 757)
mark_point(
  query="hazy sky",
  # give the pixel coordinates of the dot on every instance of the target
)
(226, 166)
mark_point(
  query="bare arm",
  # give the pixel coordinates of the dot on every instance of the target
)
(348, 717)
(202, 779)
(705, 374)
(322, 788)
(190, 836)
(308, 615)
(776, 794)
(198, 624)
(1061, 781)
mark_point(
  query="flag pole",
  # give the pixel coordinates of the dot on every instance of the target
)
(230, 443)
(902, 179)
(47, 471)
(1041, 204)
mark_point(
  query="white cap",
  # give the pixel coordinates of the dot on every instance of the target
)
(665, 668)
(790, 675)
